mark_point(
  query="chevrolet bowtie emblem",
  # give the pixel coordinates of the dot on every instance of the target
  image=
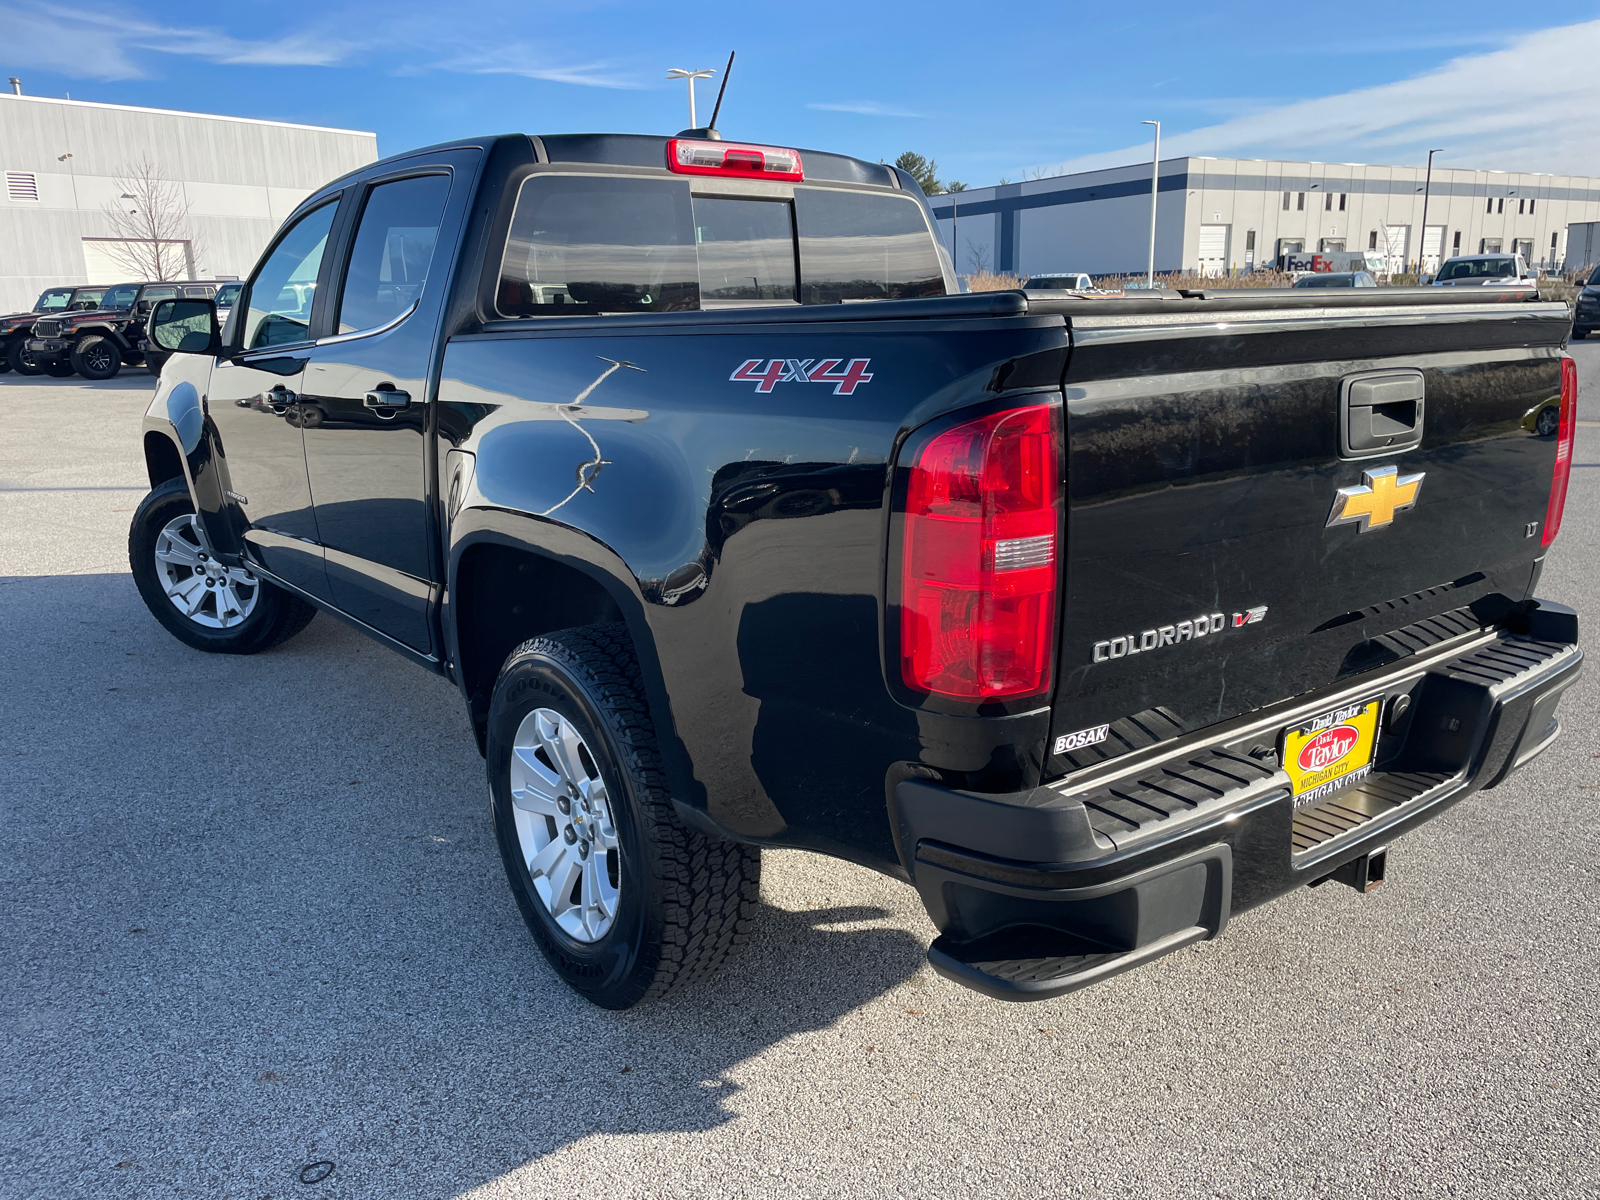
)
(1383, 492)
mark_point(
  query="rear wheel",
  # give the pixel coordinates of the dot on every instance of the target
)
(202, 601)
(1548, 422)
(19, 359)
(96, 356)
(625, 901)
(1579, 334)
(154, 362)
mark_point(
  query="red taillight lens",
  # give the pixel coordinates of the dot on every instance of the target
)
(978, 569)
(1564, 439)
(696, 156)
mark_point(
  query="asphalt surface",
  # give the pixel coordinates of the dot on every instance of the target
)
(252, 919)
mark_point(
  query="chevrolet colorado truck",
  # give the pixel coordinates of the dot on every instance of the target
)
(15, 327)
(1097, 619)
(97, 344)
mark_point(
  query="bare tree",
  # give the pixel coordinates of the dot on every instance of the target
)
(150, 222)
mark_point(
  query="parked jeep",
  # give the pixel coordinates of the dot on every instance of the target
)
(99, 343)
(14, 327)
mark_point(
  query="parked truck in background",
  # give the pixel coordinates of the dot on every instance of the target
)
(15, 327)
(1097, 619)
(98, 343)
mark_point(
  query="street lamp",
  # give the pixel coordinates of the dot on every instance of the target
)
(1155, 175)
(689, 77)
(1427, 183)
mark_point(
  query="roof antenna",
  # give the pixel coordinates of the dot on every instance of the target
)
(711, 129)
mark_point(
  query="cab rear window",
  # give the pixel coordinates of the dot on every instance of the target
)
(591, 244)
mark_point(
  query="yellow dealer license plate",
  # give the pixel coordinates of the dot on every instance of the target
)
(1331, 752)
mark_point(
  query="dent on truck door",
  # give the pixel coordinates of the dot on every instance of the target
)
(255, 406)
(367, 391)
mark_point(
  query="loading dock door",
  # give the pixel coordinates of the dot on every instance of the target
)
(1397, 239)
(1213, 249)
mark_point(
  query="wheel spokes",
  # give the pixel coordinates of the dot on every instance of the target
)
(534, 786)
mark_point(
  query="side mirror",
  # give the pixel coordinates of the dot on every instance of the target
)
(186, 326)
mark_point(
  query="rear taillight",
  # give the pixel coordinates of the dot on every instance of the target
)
(693, 156)
(980, 557)
(1564, 439)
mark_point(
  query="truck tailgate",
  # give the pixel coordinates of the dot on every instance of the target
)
(1213, 566)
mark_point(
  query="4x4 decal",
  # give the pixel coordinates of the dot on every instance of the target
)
(767, 373)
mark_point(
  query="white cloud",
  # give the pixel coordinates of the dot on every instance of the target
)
(867, 108)
(519, 59)
(98, 43)
(1525, 106)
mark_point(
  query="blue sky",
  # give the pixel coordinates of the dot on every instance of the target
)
(990, 91)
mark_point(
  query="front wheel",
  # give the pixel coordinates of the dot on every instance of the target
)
(20, 357)
(625, 901)
(1579, 334)
(56, 370)
(96, 357)
(1548, 422)
(202, 601)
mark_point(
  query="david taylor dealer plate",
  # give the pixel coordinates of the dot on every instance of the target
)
(1331, 752)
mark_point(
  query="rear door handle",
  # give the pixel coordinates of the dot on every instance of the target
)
(385, 397)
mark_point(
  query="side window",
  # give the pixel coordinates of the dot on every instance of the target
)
(197, 293)
(284, 287)
(392, 251)
(857, 246)
(151, 295)
(582, 244)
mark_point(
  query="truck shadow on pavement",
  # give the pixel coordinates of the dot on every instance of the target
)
(258, 920)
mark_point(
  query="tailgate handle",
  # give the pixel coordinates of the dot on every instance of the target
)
(1380, 413)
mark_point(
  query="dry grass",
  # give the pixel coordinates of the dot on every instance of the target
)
(991, 281)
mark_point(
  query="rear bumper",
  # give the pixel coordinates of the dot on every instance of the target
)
(1043, 892)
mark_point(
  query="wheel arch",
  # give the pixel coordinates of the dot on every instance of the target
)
(163, 458)
(513, 577)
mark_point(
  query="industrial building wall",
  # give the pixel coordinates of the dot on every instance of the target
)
(239, 178)
(1224, 215)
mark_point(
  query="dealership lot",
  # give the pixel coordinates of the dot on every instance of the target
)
(255, 923)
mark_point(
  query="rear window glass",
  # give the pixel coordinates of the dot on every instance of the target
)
(1479, 268)
(746, 249)
(582, 244)
(591, 244)
(858, 246)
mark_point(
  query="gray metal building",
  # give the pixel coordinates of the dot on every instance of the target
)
(62, 159)
(1218, 215)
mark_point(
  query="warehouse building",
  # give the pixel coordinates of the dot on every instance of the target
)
(67, 163)
(1222, 215)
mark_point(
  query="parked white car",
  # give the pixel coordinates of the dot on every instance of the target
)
(1065, 281)
(1486, 270)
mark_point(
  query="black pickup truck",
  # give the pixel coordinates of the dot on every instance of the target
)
(1098, 619)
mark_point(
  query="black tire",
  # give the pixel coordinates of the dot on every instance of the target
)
(1579, 334)
(1548, 422)
(95, 356)
(18, 358)
(277, 616)
(685, 899)
(154, 362)
(57, 370)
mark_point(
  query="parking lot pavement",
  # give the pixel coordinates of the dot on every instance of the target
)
(254, 921)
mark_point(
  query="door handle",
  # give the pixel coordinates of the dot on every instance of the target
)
(387, 398)
(280, 398)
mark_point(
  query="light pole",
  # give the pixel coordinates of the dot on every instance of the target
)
(1427, 183)
(689, 77)
(1155, 177)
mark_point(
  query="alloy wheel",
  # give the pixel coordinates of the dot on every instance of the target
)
(100, 358)
(565, 827)
(205, 590)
